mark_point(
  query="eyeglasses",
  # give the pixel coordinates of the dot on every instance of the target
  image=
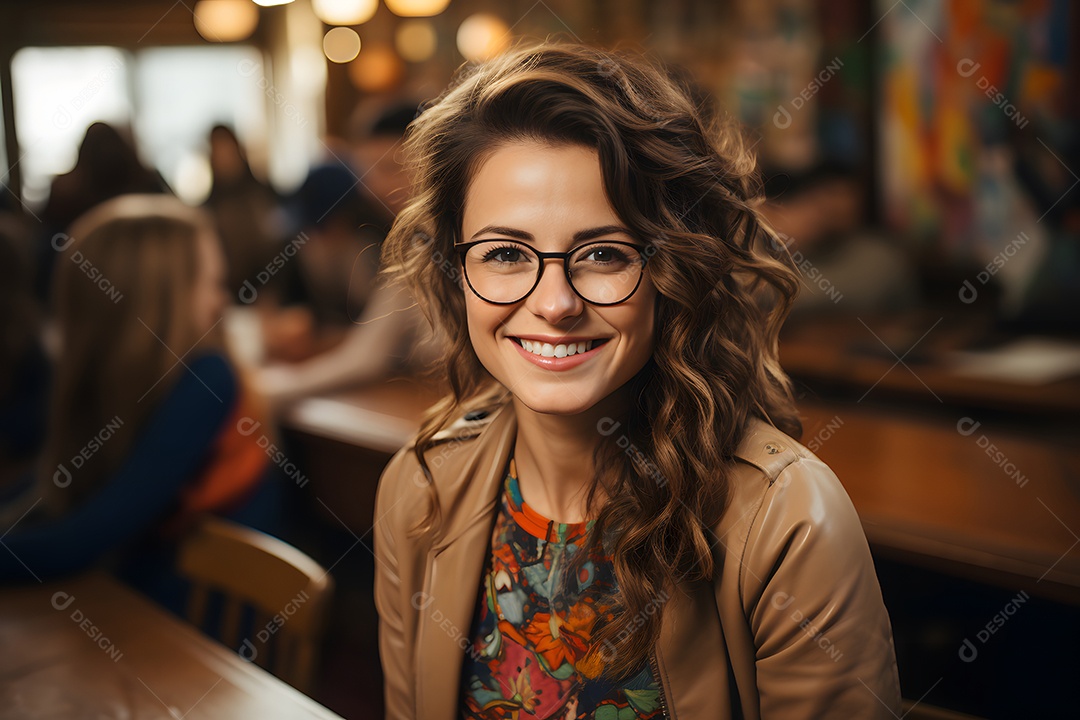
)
(504, 272)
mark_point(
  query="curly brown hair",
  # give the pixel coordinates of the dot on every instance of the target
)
(682, 180)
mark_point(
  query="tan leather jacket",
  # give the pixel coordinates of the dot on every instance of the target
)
(792, 625)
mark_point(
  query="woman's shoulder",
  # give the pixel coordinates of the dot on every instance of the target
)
(795, 562)
(780, 489)
(206, 390)
(212, 368)
(473, 443)
(466, 427)
(767, 458)
(209, 376)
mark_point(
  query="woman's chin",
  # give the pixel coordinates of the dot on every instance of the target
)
(568, 406)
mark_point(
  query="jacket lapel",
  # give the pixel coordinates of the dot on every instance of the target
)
(468, 483)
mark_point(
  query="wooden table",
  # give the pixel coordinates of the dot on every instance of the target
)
(381, 417)
(863, 357)
(974, 478)
(998, 505)
(89, 647)
(344, 440)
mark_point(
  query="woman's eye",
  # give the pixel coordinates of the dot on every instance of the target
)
(504, 255)
(605, 256)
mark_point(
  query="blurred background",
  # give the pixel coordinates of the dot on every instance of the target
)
(919, 159)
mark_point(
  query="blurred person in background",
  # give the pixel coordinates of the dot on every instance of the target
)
(244, 210)
(376, 147)
(24, 367)
(341, 229)
(107, 165)
(391, 337)
(321, 275)
(150, 425)
(388, 334)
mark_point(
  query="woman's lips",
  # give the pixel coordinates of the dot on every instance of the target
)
(560, 363)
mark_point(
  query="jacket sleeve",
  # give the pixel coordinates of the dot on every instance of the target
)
(394, 651)
(809, 588)
(167, 453)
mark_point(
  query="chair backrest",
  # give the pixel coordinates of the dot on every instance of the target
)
(274, 598)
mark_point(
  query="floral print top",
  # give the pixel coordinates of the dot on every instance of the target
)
(533, 623)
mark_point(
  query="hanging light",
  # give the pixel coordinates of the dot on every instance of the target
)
(377, 69)
(341, 44)
(225, 20)
(271, 3)
(417, 8)
(344, 12)
(482, 36)
(415, 40)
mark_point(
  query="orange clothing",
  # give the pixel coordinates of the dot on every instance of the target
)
(232, 472)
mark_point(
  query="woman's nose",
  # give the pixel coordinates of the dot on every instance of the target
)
(554, 299)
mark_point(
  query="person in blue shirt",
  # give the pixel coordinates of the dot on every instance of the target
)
(145, 427)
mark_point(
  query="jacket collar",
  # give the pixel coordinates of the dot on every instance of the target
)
(468, 476)
(468, 471)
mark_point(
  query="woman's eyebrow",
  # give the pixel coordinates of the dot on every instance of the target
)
(596, 232)
(579, 236)
(500, 230)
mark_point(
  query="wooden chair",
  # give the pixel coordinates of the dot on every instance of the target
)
(274, 597)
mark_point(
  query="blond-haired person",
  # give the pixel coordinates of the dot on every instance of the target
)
(145, 428)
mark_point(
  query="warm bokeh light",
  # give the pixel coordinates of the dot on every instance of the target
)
(378, 69)
(482, 36)
(341, 44)
(225, 20)
(415, 40)
(344, 12)
(417, 8)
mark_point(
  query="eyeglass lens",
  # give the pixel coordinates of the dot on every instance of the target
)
(504, 271)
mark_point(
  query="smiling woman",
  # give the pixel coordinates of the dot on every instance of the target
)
(608, 516)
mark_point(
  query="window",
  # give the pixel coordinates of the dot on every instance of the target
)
(169, 98)
(58, 93)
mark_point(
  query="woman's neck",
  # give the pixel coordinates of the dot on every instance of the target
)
(554, 457)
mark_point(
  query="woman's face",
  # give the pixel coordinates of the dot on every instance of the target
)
(545, 195)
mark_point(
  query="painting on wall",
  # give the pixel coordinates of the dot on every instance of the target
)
(976, 136)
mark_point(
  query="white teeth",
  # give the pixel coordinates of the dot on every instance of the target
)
(558, 351)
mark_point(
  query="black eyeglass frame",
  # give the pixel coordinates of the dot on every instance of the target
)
(464, 248)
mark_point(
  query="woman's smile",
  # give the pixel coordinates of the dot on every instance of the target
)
(556, 353)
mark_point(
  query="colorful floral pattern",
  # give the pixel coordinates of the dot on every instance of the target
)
(533, 622)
